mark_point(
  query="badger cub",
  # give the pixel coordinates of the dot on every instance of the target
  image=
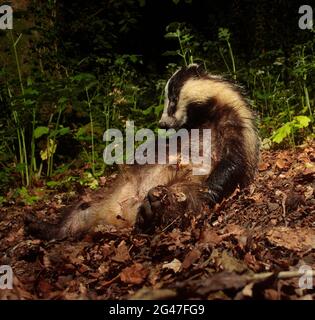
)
(194, 99)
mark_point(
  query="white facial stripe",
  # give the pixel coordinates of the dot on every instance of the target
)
(166, 103)
(166, 100)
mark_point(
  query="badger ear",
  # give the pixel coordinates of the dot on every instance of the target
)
(197, 69)
(193, 66)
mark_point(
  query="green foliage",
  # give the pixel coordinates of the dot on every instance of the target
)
(23, 195)
(83, 76)
(185, 41)
(89, 180)
(224, 35)
(289, 128)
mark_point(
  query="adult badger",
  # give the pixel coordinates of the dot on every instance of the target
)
(194, 99)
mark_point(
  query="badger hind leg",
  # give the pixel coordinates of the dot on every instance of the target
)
(75, 221)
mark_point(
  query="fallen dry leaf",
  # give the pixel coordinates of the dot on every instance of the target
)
(263, 166)
(122, 252)
(190, 258)
(309, 193)
(153, 294)
(282, 164)
(296, 239)
(230, 264)
(210, 237)
(271, 294)
(174, 265)
(233, 229)
(221, 281)
(136, 274)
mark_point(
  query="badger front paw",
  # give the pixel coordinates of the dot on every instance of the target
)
(149, 214)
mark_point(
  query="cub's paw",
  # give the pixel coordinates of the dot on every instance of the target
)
(149, 214)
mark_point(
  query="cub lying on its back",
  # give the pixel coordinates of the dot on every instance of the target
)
(194, 99)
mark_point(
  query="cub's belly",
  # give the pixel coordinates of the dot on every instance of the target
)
(134, 185)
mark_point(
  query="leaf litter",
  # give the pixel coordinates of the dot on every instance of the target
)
(249, 247)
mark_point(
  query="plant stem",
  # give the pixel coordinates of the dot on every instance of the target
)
(21, 134)
(25, 158)
(92, 130)
(53, 137)
(15, 117)
(307, 100)
(183, 52)
(225, 62)
(232, 59)
(14, 44)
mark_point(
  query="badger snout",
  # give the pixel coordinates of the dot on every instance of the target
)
(168, 122)
(163, 125)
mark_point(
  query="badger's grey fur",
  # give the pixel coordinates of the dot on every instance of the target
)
(194, 99)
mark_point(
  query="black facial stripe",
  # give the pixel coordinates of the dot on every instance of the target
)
(177, 82)
(171, 108)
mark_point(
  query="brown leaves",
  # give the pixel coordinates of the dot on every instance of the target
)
(122, 253)
(230, 264)
(295, 239)
(135, 274)
(282, 163)
(263, 166)
(210, 237)
(218, 282)
(232, 252)
(190, 258)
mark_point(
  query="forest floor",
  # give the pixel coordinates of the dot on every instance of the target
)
(255, 245)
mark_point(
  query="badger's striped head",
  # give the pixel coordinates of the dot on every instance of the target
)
(178, 95)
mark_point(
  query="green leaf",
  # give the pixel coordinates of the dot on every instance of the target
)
(40, 131)
(62, 100)
(302, 121)
(171, 35)
(147, 111)
(170, 53)
(158, 109)
(52, 184)
(224, 34)
(91, 84)
(63, 131)
(133, 58)
(30, 91)
(282, 132)
(83, 77)
(29, 102)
